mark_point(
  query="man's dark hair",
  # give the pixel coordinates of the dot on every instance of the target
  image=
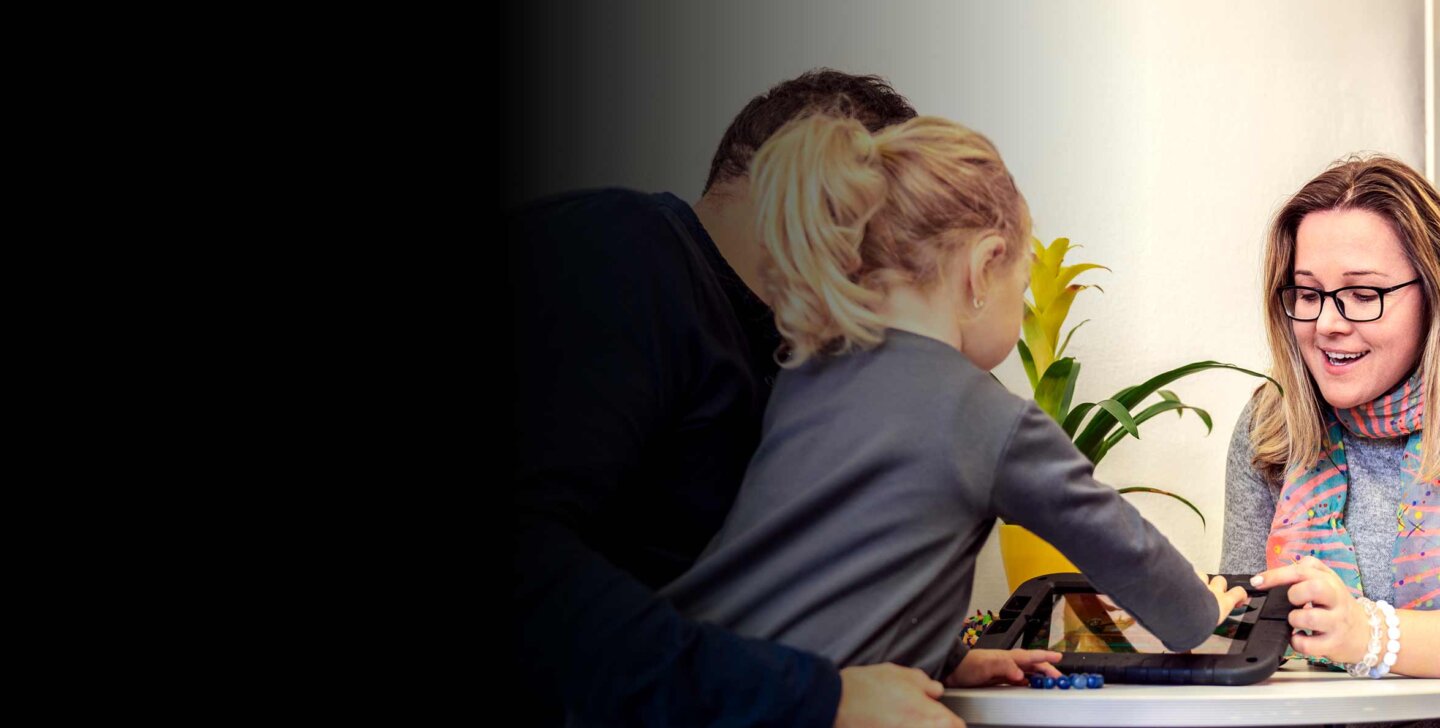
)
(867, 99)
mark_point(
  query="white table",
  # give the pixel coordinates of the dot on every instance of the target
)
(1294, 695)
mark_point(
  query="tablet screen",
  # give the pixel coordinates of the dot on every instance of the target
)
(1089, 622)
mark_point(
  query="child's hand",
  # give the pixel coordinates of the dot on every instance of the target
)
(993, 667)
(1227, 601)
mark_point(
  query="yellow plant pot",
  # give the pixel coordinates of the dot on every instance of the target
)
(1027, 556)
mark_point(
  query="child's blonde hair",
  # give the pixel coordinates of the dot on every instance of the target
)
(845, 213)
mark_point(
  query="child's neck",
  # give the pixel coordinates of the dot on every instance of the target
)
(930, 314)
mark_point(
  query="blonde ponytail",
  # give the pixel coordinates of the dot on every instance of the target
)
(844, 213)
(817, 183)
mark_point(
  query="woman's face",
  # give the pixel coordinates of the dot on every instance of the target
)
(1338, 248)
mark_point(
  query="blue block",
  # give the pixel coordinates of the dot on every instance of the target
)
(1049, 683)
(1095, 681)
(1037, 681)
(1062, 682)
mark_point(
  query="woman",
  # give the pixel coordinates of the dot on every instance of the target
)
(1332, 486)
(897, 265)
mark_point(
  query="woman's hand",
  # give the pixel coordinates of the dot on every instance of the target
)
(1228, 601)
(993, 667)
(1339, 628)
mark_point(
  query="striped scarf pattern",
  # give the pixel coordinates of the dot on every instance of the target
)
(1310, 517)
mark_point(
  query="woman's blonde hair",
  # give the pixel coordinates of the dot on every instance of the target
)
(1289, 428)
(845, 213)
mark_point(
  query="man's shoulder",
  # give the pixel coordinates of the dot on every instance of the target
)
(612, 224)
(595, 209)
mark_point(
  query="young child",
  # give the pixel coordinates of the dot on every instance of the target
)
(897, 265)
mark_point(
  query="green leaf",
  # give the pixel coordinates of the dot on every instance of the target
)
(1170, 396)
(1204, 417)
(1029, 363)
(1061, 352)
(1143, 489)
(1092, 439)
(1156, 409)
(1072, 420)
(1069, 394)
(1120, 413)
(1113, 413)
(1178, 406)
(1053, 387)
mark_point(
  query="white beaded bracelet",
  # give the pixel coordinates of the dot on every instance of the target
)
(1384, 631)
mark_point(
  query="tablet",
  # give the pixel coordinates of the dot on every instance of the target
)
(1064, 613)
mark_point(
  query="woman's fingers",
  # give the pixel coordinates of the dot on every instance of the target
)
(1311, 583)
(1305, 570)
(1314, 592)
(1307, 644)
(1315, 620)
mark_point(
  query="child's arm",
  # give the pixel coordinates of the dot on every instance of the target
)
(1046, 485)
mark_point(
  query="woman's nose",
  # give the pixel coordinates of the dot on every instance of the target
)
(1331, 323)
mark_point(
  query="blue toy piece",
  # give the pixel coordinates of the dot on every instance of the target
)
(1095, 681)
(1062, 682)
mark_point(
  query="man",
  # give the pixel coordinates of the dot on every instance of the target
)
(644, 355)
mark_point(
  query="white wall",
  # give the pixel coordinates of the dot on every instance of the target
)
(1160, 135)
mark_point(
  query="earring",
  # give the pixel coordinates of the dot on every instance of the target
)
(979, 303)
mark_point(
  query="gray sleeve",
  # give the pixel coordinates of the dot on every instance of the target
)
(1249, 505)
(1046, 485)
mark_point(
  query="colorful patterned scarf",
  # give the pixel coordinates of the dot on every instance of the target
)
(1309, 519)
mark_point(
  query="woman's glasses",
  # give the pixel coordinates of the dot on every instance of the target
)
(1355, 303)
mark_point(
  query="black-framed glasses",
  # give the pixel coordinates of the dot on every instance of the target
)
(1355, 303)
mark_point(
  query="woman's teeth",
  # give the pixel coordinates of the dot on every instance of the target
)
(1341, 360)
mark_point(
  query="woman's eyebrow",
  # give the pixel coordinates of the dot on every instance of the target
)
(1347, 274)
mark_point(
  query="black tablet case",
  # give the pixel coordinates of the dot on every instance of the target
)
(1264, 649)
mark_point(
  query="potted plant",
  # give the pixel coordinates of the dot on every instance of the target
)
(1095, 427)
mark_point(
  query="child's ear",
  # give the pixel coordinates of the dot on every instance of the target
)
(986, 257)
